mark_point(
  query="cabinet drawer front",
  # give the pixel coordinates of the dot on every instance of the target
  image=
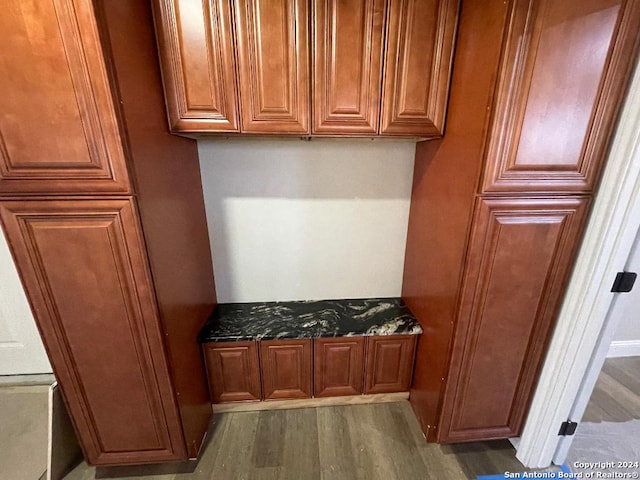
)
(347, 62)
(555, 107)
(418, 58)
(273, 65)
(58, 126)
(338, 366)
(286, 369)
(195, 44)
(83, 267)
(233, 371)
(389, 363)
(519, 257)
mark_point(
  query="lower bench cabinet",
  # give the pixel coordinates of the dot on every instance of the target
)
(233, 371)
(302, 368)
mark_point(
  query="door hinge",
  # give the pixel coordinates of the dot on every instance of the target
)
(624, 282)
(568, 428)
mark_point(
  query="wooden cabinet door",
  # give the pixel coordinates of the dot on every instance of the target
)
(83, 266)
(338, 366)
(233, 371)
(518, 261)
(347, 64)
(389, 363)
(273, 65)
(418, 57)
(286, 369)
(58, 126)
(195, 42)
(562, 79)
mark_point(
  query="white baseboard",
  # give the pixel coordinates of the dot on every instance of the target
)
(624, 348)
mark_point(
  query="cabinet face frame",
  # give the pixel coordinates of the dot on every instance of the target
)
(70, 142)
(52, 243)
(225, 361)
(415, 87)
(333, 354)
(493, 338)
(286, 367)
(530, 145)
(389, 363)
(202, 99)
(270, 101)
(331, 114)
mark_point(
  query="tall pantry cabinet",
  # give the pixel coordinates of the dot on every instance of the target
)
(499, 204)
(104, 214)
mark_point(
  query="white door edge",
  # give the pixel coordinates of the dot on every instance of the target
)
(608, 240)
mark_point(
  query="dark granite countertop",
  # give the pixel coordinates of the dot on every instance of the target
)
(309, 319)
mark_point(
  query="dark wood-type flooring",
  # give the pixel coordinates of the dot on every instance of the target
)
(616, 397)
(376, 441)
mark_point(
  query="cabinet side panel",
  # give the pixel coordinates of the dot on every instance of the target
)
(445, 179)
(169, 196)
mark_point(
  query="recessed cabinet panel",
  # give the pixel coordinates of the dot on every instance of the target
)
(560, 87)
(347, 62)
(233, 371)
(520, 254)
(286, 369)
(418, 57)
(389, 363)
(85, 273)
(338, 366)
(58, 127)
(273, 65)
(196, 49)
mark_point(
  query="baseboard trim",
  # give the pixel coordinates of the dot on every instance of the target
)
(309, 402)
(624, 348)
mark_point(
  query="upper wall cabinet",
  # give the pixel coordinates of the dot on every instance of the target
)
(300, 67)
(347, 60)
(418, 56)
(198, 65)
(556, 107)
(273, 65)
(63, 138)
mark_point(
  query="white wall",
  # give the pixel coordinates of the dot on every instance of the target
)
(301, 220)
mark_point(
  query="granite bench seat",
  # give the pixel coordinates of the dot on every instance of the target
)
(309, 319)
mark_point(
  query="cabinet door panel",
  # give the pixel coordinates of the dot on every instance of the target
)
(389, 363)
(347, 65)
(286, 369)
(197, 55)
(338, 366)
(519, 257)
(83, 267)
(233, 371)
(273, 65)
(555, 107)
(418, 58)
(58, 127)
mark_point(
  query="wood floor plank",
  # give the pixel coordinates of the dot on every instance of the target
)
(301, 449)
(334, 444)
(268, 444)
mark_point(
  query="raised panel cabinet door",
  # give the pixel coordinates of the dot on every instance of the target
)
(286, 369)
(58, 127)
(338, 366)
(556, 106)
(195, 43)
(347, 65)
(519, 258)
(273, 65)
(389, 363)
(233, 371)
(420, 36)
(82, 264)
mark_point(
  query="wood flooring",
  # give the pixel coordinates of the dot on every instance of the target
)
(616, 396)
(376, 441)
